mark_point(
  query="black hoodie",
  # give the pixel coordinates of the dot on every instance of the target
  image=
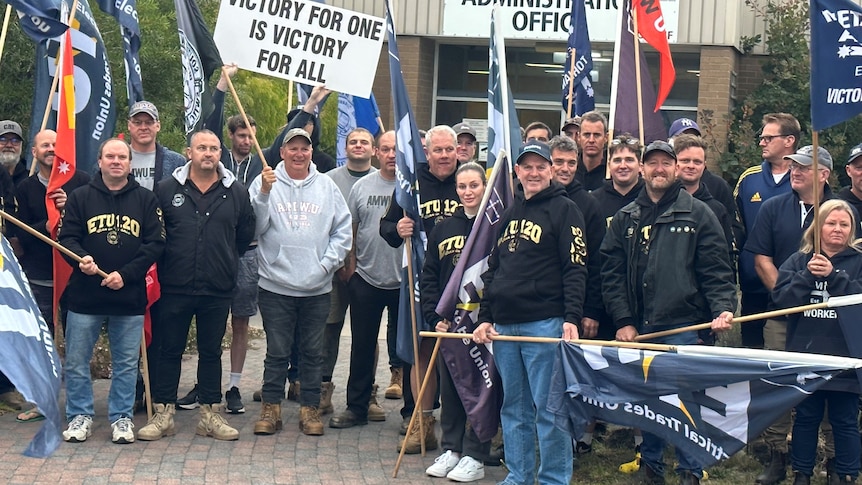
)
(610, 201)
(595, 226)
(123, 231)
(538, 269)
(445, 244)
(704, 195)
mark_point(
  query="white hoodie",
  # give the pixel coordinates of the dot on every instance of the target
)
(303, 231)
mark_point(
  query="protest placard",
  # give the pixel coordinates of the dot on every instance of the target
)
(305, 41)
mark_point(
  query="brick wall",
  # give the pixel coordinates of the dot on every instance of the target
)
(717, 68)
(417, 65)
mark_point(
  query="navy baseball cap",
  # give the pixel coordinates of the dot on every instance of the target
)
(682, 125)
(536, 147)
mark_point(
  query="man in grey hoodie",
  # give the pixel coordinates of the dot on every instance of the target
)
(304, 233)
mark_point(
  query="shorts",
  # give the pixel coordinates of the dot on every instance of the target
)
(244, 302)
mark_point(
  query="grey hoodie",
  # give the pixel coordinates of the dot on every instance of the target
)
(303, 231)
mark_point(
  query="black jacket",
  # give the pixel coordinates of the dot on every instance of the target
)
(8, 203)
(854, 202)
(704, 195)
(819, 331)
(204, 241)
(538, 269)
(595, 226)
(610, 201)
(123, 231)
(38, 258)
(445, 244)
(688, 278)
(591, 179)
(437, 200)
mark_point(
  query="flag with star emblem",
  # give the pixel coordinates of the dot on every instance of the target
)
(579, 61)
(504, 131)
(707, 401)
(836, 57)
(408, 155)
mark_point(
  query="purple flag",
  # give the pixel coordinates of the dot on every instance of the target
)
(472, 365)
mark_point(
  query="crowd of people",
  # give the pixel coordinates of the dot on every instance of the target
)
(607, 239)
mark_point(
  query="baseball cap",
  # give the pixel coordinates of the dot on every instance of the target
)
(9, 126)
(536, 147)
(804, 156)
(658, 146)
(681, 125)
(144, 107)
(464, 129)
(855, 152)
(571, 121)
(295, 132)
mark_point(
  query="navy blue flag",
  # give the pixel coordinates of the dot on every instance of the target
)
(95, 108)
(836, 89)
(408, 155)
(200, 58)
(354, 112)
(504, 131)
(579, 60)
(29, 360)
(708, 401)
(624, 97)
(471, 365)
(126, 13)
(40, 19)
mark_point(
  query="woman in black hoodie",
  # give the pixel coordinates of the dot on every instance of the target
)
(808, 277)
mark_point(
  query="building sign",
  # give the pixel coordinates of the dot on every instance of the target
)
(546, 20)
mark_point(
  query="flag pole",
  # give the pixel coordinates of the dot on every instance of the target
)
(244, 117)
(5, 28)
(571, 82)
(411, 282)
(634, 13)
(615, 86)
(55, 82)
(290, 95)
(416, 409)
(552, 340)
(833, 302)
(815, 142)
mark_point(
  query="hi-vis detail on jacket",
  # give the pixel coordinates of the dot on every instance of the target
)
(113, 222)
(452, 245)
(438, 209)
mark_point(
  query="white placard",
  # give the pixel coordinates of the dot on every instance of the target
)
(304, 41)
(542, 19)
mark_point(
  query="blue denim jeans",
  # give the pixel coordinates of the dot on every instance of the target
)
(525, 369)
(652, 449)
(843, 408)
(124, 337)
(282, 315)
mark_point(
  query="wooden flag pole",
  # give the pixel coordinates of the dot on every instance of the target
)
(416, 409)
(634, 13)
(5, 28)
(244, 117)
(408, 247)
(815, 144)
(571, 84)
(553, 340)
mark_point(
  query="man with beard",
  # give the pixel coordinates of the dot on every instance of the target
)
(11, 148)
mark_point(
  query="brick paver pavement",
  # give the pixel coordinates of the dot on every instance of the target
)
(364, 454)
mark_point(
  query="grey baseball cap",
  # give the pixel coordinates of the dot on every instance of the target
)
(805, 156)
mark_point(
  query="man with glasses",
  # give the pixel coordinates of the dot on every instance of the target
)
(151, 162)
(11, 149)
(775, 237)
(466, 147)
(625, 182)
(592, 137)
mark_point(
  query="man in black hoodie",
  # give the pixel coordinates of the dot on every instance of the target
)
(115, 225)
(534, 287)
(665, 265)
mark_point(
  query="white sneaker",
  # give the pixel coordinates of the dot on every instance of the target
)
(121, 431)
(80, 428)
(467, 470)
(443, 464)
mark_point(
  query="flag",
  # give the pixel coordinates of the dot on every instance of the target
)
(504, 131)
(408, 155)
(624, 102)
(29, 360)
(836, 92)
(126, 13)
(200, 60)
(707, 401)
(95, 109)
(472, 365)
(651, 27)
(40, 19)
(579, 60)
(354, 112)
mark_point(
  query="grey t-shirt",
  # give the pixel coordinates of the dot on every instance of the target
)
(376, 261)
(344, 179)
(144, 168)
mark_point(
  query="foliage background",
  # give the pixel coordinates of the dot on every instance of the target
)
(264, 98)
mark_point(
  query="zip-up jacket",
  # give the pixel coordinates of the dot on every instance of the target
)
(123, 231)
(445, 244)
(538, 269)
(204, 242)
(687, 278)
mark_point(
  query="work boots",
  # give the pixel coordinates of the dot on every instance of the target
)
(213, 424)
(801, 479)
(394, 389)
(776, 471)
(161, 424)
(375, 412)
(309, 421)
(326, 390)
(270, 419)
(413, 441)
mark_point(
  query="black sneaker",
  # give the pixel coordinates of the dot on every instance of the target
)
(234, 401)
(190, 400)
(582, 448)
